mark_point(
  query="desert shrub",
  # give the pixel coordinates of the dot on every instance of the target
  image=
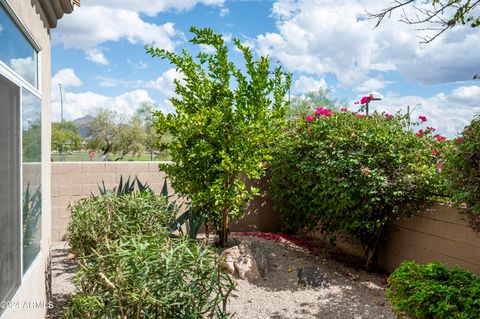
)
(353, 174)
(434, 291)
(99, 219)
(463, 171)
(151, 277)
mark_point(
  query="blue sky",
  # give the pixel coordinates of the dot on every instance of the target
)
(98, 54)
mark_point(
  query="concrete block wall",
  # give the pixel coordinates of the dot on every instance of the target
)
(76, 180)
(440, 234)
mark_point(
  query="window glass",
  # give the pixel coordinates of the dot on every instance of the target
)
(15, 50)
(31, 172)
(9, 189)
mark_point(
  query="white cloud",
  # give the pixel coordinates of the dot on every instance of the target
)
(206, 48)
(165, 84)
(106, 81)
(306, 84)
(96, 55)
(66, 77)
(370, 85)
(153, 7)
(77, 105)
(449, 113)
(224, 12)
(325, 36)
(111, 24)
(24, 67)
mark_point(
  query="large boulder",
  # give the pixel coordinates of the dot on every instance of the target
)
(245, 261)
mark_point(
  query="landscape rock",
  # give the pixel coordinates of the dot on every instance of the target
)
(313, 276)
(230, 257)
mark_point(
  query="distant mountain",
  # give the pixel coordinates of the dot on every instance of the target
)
(82, 124)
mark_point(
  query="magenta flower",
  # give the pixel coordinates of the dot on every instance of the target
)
(435, 152)
(366, 99)
(440, 138)
(388, 116)
(431, 128)
(343, 109)
(325, 112)
(422, 118)
(419, 134)
(440, 167)
(357, 102)
(420, 131)
(459, 140)
(309, 118)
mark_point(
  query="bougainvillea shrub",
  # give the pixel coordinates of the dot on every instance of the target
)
(354, 174)
(463, 172)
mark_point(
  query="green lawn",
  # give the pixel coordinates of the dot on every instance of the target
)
(84, 157)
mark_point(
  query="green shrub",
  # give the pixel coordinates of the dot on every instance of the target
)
(434, 291)
(463, 171)
(151, 277)
(226, 121)
(353, 174)
(99, 219)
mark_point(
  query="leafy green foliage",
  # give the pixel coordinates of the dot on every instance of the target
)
(434, 291)
(224, 126)
(463, 171)
(131, 268)
(32, 212)
(99, 219)
(65, 137)
(152, 277)
(353, 174)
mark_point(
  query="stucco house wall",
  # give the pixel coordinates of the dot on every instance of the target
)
(30, 299)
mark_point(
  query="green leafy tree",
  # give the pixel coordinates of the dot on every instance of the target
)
(65, 137)
(32, 144)
(224, 126)
(130, 138)
(441, 16)
(102, 129)
(152, 139)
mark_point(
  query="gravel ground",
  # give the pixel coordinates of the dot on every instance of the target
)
(62, 272)
(350, 293)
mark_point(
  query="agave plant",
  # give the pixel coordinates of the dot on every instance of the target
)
(32, 209)
(124, 188)
(191, 218)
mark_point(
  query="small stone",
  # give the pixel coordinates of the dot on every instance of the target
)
(312, 276)
(70, 255)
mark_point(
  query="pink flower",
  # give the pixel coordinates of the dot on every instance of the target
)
(419, 134)
(431, 128)
(366, 99)
(388, 116)
(365, 171)
(434, 152)
(343, 109)
(440, 167)
(420, 131)
(357, 102)
(325, 112)
(440, 138)
(459, 140)
(422, 118)
(309, 118)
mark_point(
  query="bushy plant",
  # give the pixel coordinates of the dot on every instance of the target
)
(226, 120)
(434, 291)
(354, 174)
(151, 277)
(463, 171)
(130, 267)
(100, 219)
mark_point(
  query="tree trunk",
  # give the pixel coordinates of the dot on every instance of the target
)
(223, 236)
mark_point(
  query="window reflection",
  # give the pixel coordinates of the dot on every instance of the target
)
(31, 172)
(16, 51)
